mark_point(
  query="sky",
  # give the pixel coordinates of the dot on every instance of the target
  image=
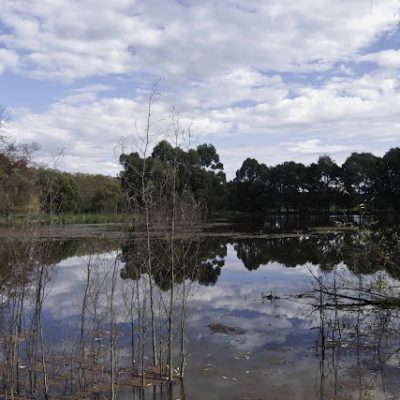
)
(275, 80)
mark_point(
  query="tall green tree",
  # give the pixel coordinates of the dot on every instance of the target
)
(360, 178)
(288, 183)
(323, 184)
(249, 191)
(58, 191)
(196, 171)
(16, 183)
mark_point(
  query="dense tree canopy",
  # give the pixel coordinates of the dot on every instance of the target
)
(16, 185)
(198, 172)
(58, 191)
(99, 194)
(364, 181)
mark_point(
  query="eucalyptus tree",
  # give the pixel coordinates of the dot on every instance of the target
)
(198, 171)
(360, 178)
(288, 183)
(166, 188)
(250, 188)
(323, 184)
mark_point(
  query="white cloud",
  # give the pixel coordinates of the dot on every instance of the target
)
(97, 88)
(314, 146)
(68, 40)
(8, 59)
(386, 58)
(276, 79)
(275, 122)
(87, 130)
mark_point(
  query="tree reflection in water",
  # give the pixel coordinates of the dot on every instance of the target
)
(358, 342)
(93, 361)
(107, 351)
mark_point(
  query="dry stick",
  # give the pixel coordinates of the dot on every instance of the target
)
(144, 325)
(12, 370)
(32, 342)
(183, 321)
(160, 344)
(147, 200)
(358, 336)
(82, 357)
(139, 320)
(322, 335)
(336, 326)
(184, 298)
(20, 314)
(35, 329)
(172, 275)
(43, 360)
(170, 314)
(12, 352)
(12, 345)
(131, 309)
(141, 331)
(153, 322)
(113, 335)
(8, 346)
(322, 325)
(41, 339)
(183, 315)
(96, 329)
(359, 300)
(381, 361)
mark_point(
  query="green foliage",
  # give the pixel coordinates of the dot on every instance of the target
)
(323, 185)
(208, 156)
(16, 187)
(360, 177)
(365, 182)
(58, 191)
(200, 261)
(198, 172)
(100, 194)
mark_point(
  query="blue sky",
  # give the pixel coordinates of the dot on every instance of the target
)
(276, 80)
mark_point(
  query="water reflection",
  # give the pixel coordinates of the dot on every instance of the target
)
(196, 259)
(89, 319)
(293, 222)
(357, 343)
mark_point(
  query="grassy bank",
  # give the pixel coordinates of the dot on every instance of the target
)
(65, 219)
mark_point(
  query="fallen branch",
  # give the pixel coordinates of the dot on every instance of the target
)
(384, 302)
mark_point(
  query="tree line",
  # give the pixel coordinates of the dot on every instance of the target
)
(25, 188)
(363, 181)
(171, 170)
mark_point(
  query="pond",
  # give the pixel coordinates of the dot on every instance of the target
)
(241, 316)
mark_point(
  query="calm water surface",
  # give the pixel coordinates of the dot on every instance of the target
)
(254, 316)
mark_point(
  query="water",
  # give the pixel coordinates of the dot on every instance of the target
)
(256, 318)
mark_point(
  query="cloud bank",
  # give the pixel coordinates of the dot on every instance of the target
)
(275, 80)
